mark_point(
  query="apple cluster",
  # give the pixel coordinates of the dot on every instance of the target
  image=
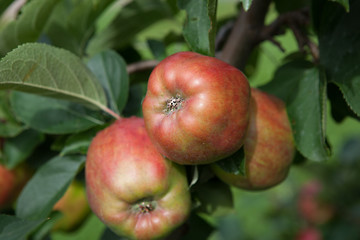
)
(197, 110)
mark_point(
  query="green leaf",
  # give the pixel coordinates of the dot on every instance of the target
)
(53, 116)
(303, 88)
(214, 197)
(235, 163)
(13, 228)
(246, 4)
(136, 96)
(199, 29)
(9, 126)
(17, 149)
(133, 17)
(110, 68)
(29, 25)
(158, 49)
(79, 143)
(344, 3)
(73, 24)
(47, 186)
(339, 44)
(46, 70)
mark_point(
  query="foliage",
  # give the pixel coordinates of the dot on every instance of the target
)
(69, 68)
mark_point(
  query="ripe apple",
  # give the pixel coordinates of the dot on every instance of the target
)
(309, 233)
(269, 145)
(12, 182)
(7, 186)
(131, 187)
(74, 208)
(196, 108)
(310, 205)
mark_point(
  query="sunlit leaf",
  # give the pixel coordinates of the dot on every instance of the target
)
(73, 24)
(199, 29)
(46, 70)
(110, 69)
(135, 16)
(29, 25)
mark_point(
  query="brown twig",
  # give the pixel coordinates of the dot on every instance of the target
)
(141, 66)
(245, 34)
(249, 31)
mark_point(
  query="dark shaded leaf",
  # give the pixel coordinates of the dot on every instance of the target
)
(54, 116)
(303, 88)
(47, 186)
(17, 149)
(73, 24)
(339, 45)
(13, 228)
(235, 163)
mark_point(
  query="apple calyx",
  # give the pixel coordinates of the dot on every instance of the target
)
(144, 206)
(174, 104)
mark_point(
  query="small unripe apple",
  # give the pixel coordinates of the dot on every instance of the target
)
(131, 187)
(196, 108)
(74, 208)
(310, 205)
(269, 145)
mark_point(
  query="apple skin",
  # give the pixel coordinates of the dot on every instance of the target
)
(309, 233)
(12, 181)
(311, 207)
(74, 207)
(7, 186)
(196, 108)
(269, 145)
(131, 187)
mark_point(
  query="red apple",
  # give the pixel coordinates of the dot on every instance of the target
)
(196, 108)
(269, 145)
(74, 208)
(309, 233)
(7, 186)
(11, 183)
(131, 187)
(310, 205)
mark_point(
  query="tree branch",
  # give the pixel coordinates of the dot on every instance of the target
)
(141, 66)
(245, 34)
(249, 31)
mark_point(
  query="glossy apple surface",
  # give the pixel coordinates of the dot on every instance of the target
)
(131, 187)
(269, 145)
(196, 108)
